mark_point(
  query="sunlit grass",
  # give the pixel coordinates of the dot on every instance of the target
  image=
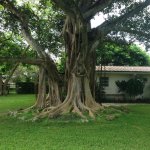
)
(14, 101)
(128, 131)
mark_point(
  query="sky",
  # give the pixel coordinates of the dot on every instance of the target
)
(98, 19)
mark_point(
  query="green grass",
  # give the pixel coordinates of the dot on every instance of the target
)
(13, 102)
(129, 131)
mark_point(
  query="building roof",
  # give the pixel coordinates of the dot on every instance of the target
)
(124, 68)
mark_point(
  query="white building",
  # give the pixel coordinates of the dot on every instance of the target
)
(111, 74)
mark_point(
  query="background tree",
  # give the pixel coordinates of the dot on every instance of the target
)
(121, 55)
(9, 48)
(1, 85)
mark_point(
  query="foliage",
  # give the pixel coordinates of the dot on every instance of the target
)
(61, 62)
(26, 88)
(132, 87)
(25, 73)
(122, 85)
(99, 92)
(44, 22)
(128, 28)
(13, 46)
(122, 55)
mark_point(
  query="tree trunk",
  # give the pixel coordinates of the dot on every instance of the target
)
(53, 98)
(79, 97)
(49, 71)
(48, 75)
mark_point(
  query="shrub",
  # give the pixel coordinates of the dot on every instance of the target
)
(25, 88)
(132, 87)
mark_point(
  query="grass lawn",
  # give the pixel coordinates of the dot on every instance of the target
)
(14, 101)
(128, 132)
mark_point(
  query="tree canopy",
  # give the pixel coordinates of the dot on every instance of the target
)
(122, 55)
(12, 47)
(38, 26)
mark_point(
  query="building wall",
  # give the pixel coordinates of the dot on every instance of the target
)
(111, 91)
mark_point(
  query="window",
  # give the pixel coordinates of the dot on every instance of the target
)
(104, 81)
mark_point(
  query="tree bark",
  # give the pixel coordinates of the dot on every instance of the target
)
(79, 97)
(53, 98)
(41, 97)
(30, 61)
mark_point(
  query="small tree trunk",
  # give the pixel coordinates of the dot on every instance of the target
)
(92, 72)
(5, 85)
(1, 85)
(53, 98)
(41, 97)
(48, 70)
(5, 89)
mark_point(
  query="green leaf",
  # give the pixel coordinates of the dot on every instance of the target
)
(48, 4)
(1, 8)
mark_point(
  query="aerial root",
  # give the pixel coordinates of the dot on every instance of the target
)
(26, 110)
(67, 107)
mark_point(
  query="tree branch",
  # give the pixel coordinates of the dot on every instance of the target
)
(24, 26)
(4, 40)
(14, 69)
(71, 8)
(108, 26)
(135, 32)
(65, 5)
(116, 40)
(96, 7)
(10, 6)
(11, 73)
(22, 60)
